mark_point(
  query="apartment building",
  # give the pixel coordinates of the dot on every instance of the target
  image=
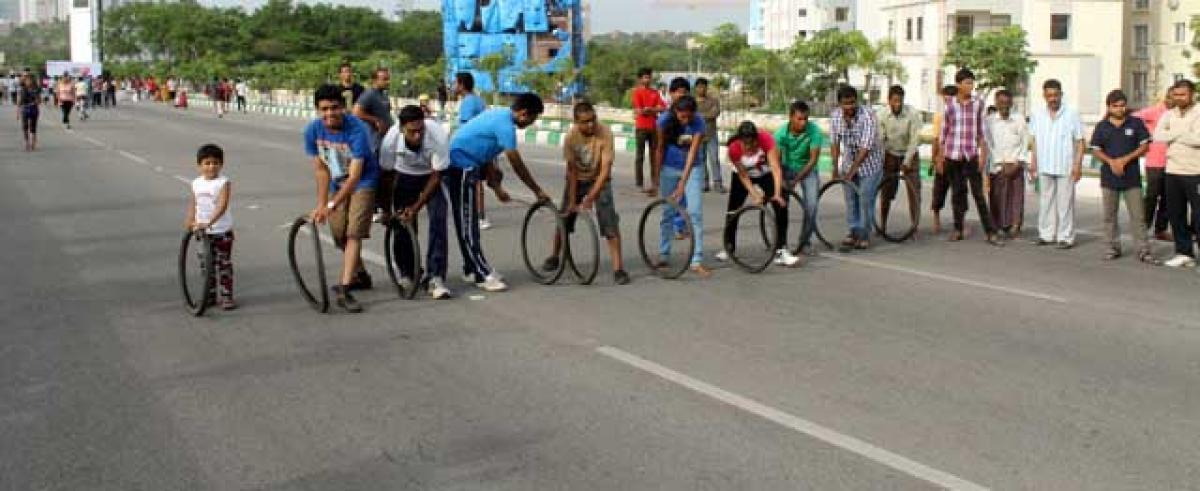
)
(1160, 47)
(32, 11)
(777, 24)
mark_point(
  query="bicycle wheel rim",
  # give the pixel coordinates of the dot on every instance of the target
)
(585, 248)
(820, 195)
(803, 231)
(543, 277)
(689, 242)
(402, 231)
(768, 233)
(319, 301)
(196, 304)
(914, 213)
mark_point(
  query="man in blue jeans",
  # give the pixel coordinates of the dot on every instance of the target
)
(800, 143)
(858, 158)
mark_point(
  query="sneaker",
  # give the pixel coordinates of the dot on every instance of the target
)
(620, 277)
(551, 264)
(468, 277)
(345, 300)
(377, 217)
(1064, 245)
(484, 224)
(1041, 242)
(437, 289)
(1180, 261)
(362, 281)
(493, 283)
(405, 283)
(783, 257)
(722, 256)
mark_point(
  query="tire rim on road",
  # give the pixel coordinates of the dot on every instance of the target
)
(399, 233)
(200, 255)
(538, 216)
(824, 188)
(319, 300)
(688, 240)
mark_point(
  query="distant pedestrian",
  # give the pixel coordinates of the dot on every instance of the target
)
(1057, 162)
(647, 105)
(710, 108)
(28, 101)
(64, 97)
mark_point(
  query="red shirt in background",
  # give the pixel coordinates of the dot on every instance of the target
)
(643, 98)
(1156, 157)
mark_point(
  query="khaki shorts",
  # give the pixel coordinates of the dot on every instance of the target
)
(353, 219)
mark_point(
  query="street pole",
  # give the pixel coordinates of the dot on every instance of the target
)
(100, 31)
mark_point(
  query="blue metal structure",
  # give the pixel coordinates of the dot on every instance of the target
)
(549, 32)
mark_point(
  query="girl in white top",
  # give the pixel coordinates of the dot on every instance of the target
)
(209, 211)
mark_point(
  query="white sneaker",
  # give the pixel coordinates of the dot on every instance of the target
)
(1180, 261)
(468, 277)
(437, 289)
(405, 282)
(484, 224)
(493, 283)
(783, 257)
(722, 256)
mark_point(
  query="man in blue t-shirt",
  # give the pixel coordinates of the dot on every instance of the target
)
(469, 103)
(345, 167)
(473, 148)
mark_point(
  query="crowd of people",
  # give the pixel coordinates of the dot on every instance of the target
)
(28, 92)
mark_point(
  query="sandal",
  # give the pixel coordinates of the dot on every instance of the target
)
(849, 241)
(955, 236)
(862, 245)
(701, 271)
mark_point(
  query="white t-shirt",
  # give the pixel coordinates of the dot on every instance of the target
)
(208, 194)
(434, 153)
(241, 89)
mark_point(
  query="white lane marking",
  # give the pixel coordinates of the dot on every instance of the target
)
(795, 423)
(133, 157)
(95, 142)
(941, 277)
(182, 179)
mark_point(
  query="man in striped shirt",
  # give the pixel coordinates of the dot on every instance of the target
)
(854, 133)
(964, 153)
(1057, 161)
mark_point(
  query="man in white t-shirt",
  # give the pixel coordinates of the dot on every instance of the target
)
(241, 89)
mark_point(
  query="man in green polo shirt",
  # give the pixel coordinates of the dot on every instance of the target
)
(800, 144)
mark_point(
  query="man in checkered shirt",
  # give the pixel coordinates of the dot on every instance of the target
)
(858, 158)
(964, 154)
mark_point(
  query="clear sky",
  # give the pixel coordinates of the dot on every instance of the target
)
(608, 15)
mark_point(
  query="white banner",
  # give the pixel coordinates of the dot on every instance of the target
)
(76, 69)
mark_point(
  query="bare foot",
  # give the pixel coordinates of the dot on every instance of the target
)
(701, 271)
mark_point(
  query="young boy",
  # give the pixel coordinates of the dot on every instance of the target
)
(1119, 141)
(209, 211)
(588, 151)
(800, 142)
(347, 172)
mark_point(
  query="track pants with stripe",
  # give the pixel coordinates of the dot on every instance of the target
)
(459, 185)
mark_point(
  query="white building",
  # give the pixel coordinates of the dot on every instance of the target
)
(777, 24)
(32, 11)
(1159, 49)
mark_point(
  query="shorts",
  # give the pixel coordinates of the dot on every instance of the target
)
(353, 219)
(606, 210)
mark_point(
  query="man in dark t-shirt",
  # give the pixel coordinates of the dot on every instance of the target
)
(1119, 141)
(351, 90)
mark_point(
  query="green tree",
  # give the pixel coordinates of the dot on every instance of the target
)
(998, 58)
(723, 46)
(879, 59)
(32, 45)
(829, 55)
(492, 64)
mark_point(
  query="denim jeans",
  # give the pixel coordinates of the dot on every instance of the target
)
(809, 188)
(668, 180)
(712, 154)
(860, 210)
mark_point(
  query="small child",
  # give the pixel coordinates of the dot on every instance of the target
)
(209, 211)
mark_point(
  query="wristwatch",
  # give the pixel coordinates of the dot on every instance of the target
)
(331, 205)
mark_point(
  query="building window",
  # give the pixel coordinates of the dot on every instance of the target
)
(908, 27)
(999, 21)
(1141, 41)
(1180, 32)
(1178, 77)
(803, 12)
(964, 25)
(1060, 27)
(1141, 4)
(891, 29)
(920, 28)
(802, 35)
(841, 14)
(1139, 86)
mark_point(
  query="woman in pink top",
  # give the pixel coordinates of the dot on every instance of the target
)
(64, 93)
(1156, 163)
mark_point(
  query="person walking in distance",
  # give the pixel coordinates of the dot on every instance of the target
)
(858, 158)
(28, 109)
(964, 155)
(1155, 206)
(900, 128)
(1118, 142)
(710, 108)
(64, 97)
(647, 105)
(1007, 137)
(351, 89)
(242, 90)
(941, 183)
(1179, 129)
(1057, 162)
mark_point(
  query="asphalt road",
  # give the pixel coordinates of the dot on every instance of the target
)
(910, 366)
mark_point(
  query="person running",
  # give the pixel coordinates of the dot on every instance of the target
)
(81, 97)
(416, 152)
(351, 89)
(710, 108)
(1057, 162)
(1118, 142)
(472, 151)
(679, 136)
(589, 152)
(800, 142)
(756, 170)
(209, 212)
(1179, 129)
(28, 101)
(964, 155)
(64, 97)
(242, 90)
(346, 172)
(1007, 138)
(858, 158)
(1155, 206)
(900, 128)
(648, 104)
(941, 183)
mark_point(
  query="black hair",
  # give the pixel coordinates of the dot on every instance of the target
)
(846, 92)
(583, 107)
(1003, 93)
(378, 70)
(964, 74)
(679, 83)
(210, 150)
(410, 113)
(1184, 83)
(529, 102)
(466, 80)
(346, 65)
(949, 91)
(328, 92)
(1052, 84)
(701, 81)
(896, 90)
(642, 72)
(1115, 96)
(798, 107)
(745, 131)
(674, 127)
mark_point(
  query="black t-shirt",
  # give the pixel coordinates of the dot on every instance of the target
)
(1118, 142)
(28, 97)
(350, 94)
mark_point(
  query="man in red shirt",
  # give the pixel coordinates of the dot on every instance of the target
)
(647, 104)
(1156, 163)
